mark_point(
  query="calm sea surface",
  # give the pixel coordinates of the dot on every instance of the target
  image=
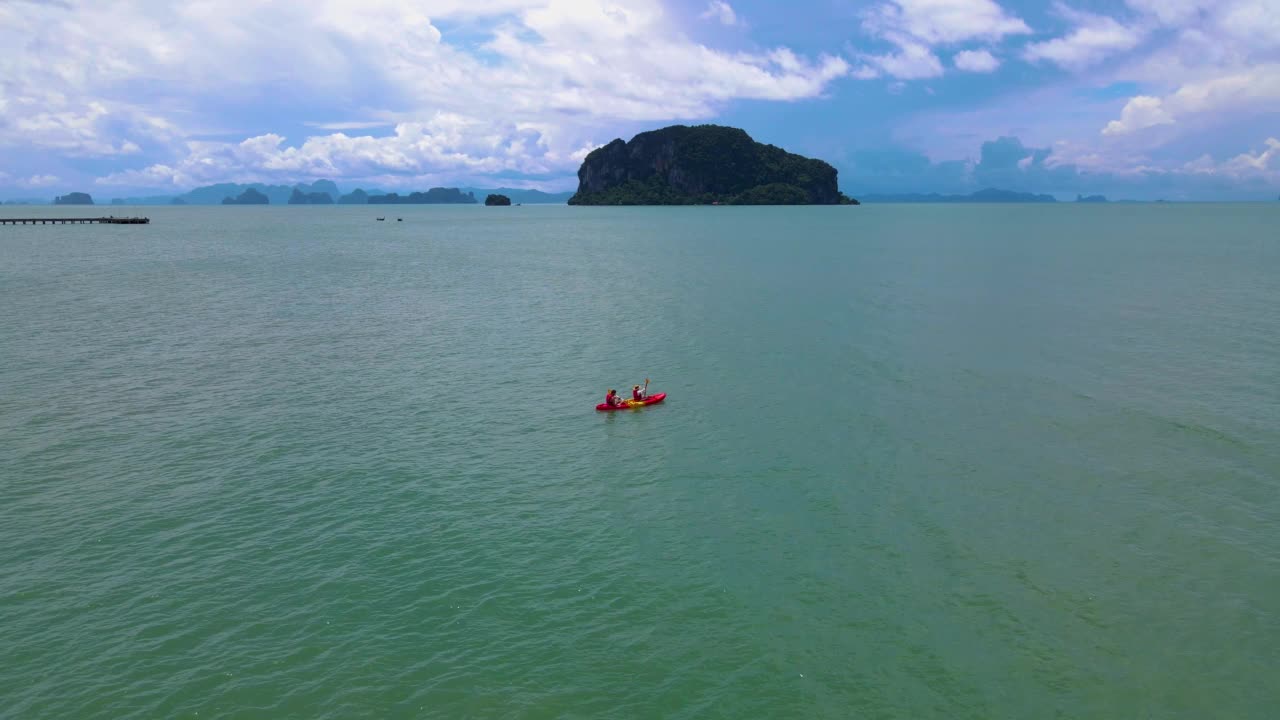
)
(916, 462)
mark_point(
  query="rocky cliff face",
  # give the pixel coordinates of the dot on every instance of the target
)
(682, 165)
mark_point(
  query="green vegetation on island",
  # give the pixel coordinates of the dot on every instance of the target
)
(75, 198)
(703, 165)
(495, 199)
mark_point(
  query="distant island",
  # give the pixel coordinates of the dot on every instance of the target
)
(297, 197)
(75, 198)
(284, 195)
(988, 195)
(703, 165)
(1091, 198)
(523, 196)
(215, 194)
(248, 197)
(434, 196)
(495, 199)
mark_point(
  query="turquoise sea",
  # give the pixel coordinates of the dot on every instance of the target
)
(916, 461)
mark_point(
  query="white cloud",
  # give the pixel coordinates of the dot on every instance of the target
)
(575, 66)
(911, 62)
(917, 26)
(1139, 113)
(1251, 24)
(1251, 90)
(980, 61)
(91, 128)
(1257, 85)
(1205, 71)
(446, 143)
(721, 11)
(1202, 164)
(1247, 163)
(1264, 164)
(1254, 23)
(1094, 38)
(39, 181)
(937, 22)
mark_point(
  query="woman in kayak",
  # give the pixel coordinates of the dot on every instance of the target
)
(636, 393)
(611, 399)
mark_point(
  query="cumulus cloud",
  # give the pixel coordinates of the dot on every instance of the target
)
(1251, 25)
(918, 26)
(576, 66)
(1217, 68)
(1255, 23)
(979, 61)
(1249, 166)
(720, 11)
(1259, 162)
(1140, 112)
(1254, 89)
(446, 143)
(1200, 77)
(78, 128)
(911, 62)
(1094, 38)
(937, 22)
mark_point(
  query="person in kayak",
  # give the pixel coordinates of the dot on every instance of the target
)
(611, 399)
(636, 393)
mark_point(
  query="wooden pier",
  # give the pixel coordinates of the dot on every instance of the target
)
(112, 220)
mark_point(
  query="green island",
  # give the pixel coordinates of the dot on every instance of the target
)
(75, 198)
(495, 199)
(703, 165)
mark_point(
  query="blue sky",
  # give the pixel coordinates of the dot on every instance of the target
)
(1144, 99)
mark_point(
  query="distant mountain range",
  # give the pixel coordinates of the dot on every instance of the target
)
(324, 192)
(316, 192)
(988, 195)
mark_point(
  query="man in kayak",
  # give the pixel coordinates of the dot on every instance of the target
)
(611, 399)
(637, 394)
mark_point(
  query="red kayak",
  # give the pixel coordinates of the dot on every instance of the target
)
(628, 404)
